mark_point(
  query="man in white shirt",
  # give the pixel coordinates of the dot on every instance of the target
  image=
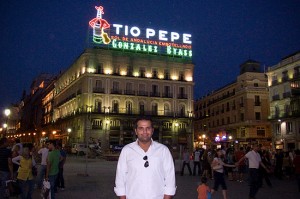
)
(254, 163)
(145, 167)
(42, 169)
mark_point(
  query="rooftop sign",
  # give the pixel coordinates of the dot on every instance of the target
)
(133, 38)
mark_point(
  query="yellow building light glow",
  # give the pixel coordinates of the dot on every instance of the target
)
(174, 77)
(189, 79)
(148, 75)
(108, 71)
(83, 70)
(160, 76)
(91, 70)
(136, 74)
(123, 73)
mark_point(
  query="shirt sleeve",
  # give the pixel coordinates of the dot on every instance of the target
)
(169, 170)
(16, 160)
(120, 181)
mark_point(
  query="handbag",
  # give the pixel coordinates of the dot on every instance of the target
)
(46, 193)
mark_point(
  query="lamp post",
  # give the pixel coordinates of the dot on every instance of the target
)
(6, 113)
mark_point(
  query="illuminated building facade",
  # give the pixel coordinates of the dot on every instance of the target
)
(102, 93)
(237, 112)
(284, 87)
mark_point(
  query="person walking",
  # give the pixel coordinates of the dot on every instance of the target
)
(145, 167)
(43, 167)
(25, 176)
(196, 157)
(60, 181)
(296, 163)
(6, 166)
(186, 162)
(52, 166)
(254, 163)
(217, 166)
(242, 166)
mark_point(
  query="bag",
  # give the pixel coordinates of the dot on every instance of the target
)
(208, 194)
(46, 193)
(34, 171)
(12, 188)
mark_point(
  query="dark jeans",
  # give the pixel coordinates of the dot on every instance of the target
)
(196, 165)
(219, 180)
(52, 180)
(188, 166)
(60, 181)
(26, 187)
(254, 182)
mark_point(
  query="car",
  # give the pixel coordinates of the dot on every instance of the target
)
(79, 148)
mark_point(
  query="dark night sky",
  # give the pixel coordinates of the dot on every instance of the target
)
(38, 36)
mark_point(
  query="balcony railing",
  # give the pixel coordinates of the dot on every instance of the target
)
(129, 92)
(154, 94)
(286, 95)
(167, 95)
(257, 103)
(275, 97)
(142, 93)
(98, 90)
(116, 91)
(182, 96)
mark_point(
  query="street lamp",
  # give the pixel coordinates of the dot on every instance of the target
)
(6, 113)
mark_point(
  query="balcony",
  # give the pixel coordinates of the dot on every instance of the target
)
(257, 103)
(275, 97)
(129, 92)
(167, 95)
(154, 94)
(182, 96)
(295, 91)
(285, 79)
(98, 90)
(274, 82)
(296, 75)
(116, 91)
(142, 93)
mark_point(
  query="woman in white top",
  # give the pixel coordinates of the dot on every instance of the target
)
(218, 168)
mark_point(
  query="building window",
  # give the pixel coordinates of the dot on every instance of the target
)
(98, 106)
(257, 100)
(142, 72)
(228, 120)
(255, 84)
(243, 132)
(261, 132)
(154, 73)
(182, 111)
(242, 117)
(167, 74)
(277, 112)
(142, 108)
(115, 106)
(154, 109)
(181, 76)
(129, 107)
(278, 130)
(257, 116)
(167, 110)
(289, 127)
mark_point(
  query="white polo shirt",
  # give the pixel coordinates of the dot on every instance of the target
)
(254, 159)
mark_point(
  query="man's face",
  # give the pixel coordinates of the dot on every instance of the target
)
(144, 131)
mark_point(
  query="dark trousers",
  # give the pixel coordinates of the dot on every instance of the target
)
(298, 181)
(60, 181)
(196, 165)
(188, 166)
(254, 182)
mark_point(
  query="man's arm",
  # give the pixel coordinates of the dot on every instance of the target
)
(167, 197)
(238, 162)
(10, 167)
(122, 197)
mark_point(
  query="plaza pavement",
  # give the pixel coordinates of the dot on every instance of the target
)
(101, 175)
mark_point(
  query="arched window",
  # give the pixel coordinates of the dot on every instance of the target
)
(98, 106)
(154, 109)
(167, 111)
(115, 106)
(181, 110)
(129, 107)
(141, 108)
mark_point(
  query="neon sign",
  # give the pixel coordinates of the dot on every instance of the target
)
(133, 38)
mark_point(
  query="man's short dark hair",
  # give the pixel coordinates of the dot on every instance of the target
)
(143, 118)
(53, 142)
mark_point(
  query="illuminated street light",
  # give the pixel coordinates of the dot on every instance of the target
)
(69, 130)
(7, 112)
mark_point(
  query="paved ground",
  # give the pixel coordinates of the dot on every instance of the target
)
(101, 175)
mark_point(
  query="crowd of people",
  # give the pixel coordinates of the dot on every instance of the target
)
(30, 165)
(256, 161)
